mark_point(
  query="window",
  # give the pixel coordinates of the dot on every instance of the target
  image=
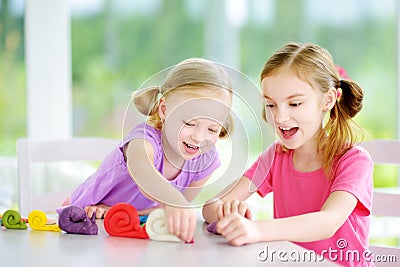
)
(117, 45)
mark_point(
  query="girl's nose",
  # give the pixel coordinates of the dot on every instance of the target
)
(281, 115)
(197, 135)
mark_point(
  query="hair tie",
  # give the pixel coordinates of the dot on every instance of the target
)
(342, 72)
(339, 93)
(341, 84)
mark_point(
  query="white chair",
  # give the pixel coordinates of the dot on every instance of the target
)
(32, 153)
(386, 201)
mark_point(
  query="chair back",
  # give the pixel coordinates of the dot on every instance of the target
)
(31, 152)
(386, 201)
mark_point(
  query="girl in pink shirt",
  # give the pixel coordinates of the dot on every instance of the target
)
(320, 179)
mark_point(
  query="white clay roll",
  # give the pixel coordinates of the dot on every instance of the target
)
(157, 228)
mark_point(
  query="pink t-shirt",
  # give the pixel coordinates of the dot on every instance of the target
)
(298, 193)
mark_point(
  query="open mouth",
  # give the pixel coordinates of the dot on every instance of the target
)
(191, 149)
(288, 132)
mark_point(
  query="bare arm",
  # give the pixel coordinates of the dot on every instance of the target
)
(317, 225)
(140, 158)
(181, 220)
(194, 189)
(302, 228)
(220, 206)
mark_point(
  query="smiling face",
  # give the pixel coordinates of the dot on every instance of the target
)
(294, 107)
(191, 125)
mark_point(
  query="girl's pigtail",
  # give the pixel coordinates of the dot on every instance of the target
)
(352, 97)
(341, 127)
(146, 100)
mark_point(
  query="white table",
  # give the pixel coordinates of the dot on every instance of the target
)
(30, 248)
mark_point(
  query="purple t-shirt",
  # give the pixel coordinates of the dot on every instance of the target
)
(112, 183)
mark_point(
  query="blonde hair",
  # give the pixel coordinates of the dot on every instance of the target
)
(314, 65)
(196, 77)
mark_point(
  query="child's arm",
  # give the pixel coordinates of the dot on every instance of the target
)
(100, 211)
(302, 228)
(230, 200)
(192, 191)
(140, 157)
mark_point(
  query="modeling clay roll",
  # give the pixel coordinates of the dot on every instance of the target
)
(157, 228)
(37, 220)
(74, 220)
(122, 220)
(12, 220)
(212, 228)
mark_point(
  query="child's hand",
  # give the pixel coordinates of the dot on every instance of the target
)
(181, 222)
(234, 206)
(238, 230)
(100, 210)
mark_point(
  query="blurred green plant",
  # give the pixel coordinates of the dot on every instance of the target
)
(114, 53)
(12, 80)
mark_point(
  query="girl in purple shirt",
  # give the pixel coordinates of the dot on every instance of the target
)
(320, 179)
(165, 161)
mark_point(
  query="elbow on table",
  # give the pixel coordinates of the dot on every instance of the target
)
(314, 235)
(329, 225)
(321, 230)
(328, 232)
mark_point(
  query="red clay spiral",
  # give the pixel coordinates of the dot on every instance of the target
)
(122, 220)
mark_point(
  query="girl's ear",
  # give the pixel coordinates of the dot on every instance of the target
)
(329, 99)
(162, 109)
